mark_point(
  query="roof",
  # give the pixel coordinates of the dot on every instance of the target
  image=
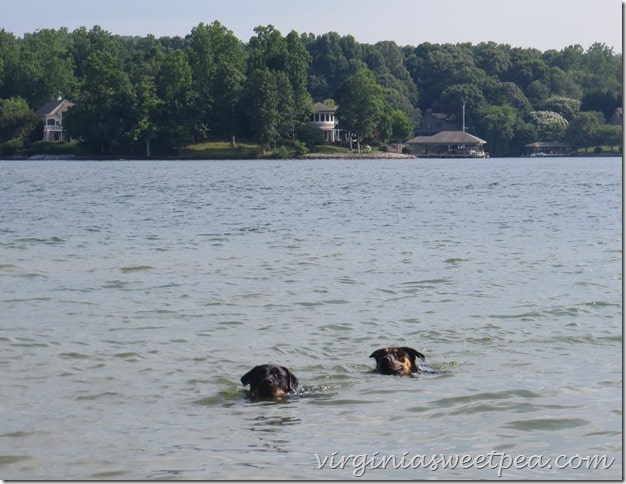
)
(51, 107)
(448, 138)
(547, 144)
(319, 107)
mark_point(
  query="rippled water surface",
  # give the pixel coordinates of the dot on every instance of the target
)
(134, 295)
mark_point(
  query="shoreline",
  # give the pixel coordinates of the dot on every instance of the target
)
(308, 156)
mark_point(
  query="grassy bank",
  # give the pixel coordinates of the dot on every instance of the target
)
(221, 150)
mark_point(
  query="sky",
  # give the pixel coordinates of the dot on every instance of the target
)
(540, 24)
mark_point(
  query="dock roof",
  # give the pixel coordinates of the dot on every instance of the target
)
(448, 138)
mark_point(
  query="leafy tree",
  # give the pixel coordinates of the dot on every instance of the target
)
(550, 126)
(101, 115)
(45, 70)
(263, 106)
(146, 59)
(497, 125)
(583, 129)
(84, 42)
(17, 120)
(493, 58)
(527, 66)
(609, 135)
(146, 109)
(297, 66)
(175, 90)
(604, 101)
(267, 49)
(435, 65)
(227, 80)
(201, 57)
(395, 125)
(286, 60)
(564, 106)
(455, 96)
(333, 59)
(9, 54)
(361, 104)
(562, 84)
(509, 93)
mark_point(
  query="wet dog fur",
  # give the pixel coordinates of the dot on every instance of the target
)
(397, 360)
(270, 381)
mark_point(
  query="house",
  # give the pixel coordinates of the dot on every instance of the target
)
(547, 148)
(52, 115)
(448, 144)
(617, 117)
(432, 123)
(323, 118)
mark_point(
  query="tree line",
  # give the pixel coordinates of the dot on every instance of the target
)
(157, 95)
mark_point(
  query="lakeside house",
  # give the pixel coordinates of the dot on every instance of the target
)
(617, 118)
(448, 144)
(324, 118)
(432, 123)
(51, 114)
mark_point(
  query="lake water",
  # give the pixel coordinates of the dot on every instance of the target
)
(135, 294)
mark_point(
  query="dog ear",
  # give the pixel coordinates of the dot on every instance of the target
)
(378, 353)
(413, 353)
(250, 376)
(293, 381)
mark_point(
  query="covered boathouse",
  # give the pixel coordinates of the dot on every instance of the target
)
(448, 144)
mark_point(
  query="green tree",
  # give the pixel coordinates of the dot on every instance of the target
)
(146, 56)
(226, 80)
(286, 60)
(609, 135)
(493, 58)
(146, 105)
(527, 66)
(509, 93)
(333, 59)
(395, 125)
(175, 90)
(101, 115)
(563, 84)
(497, 125)
(566, 107)
(45, 69)
(263, 106)
(433, 67)
(582, 131)
(455, 96)
(604, 101)
(297, 67)
(551, 126)
(17, 120)
(9, 54)
(361, 104)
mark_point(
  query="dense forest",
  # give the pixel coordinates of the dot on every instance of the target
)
(148, 95)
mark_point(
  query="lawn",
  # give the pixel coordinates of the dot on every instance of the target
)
(221, 150)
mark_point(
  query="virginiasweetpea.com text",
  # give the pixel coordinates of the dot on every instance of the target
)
(495, 460)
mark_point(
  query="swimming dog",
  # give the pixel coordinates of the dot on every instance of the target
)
(397, 360)
(270, 381)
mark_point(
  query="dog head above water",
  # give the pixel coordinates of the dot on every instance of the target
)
(396, 360)
(270, 381)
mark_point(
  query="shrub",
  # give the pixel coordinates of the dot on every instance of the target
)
(12, 146)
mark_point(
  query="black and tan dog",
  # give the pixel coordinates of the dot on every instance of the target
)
(268, 381)
(397, 360)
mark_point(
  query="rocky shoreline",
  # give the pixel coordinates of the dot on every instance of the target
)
(356, 156)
